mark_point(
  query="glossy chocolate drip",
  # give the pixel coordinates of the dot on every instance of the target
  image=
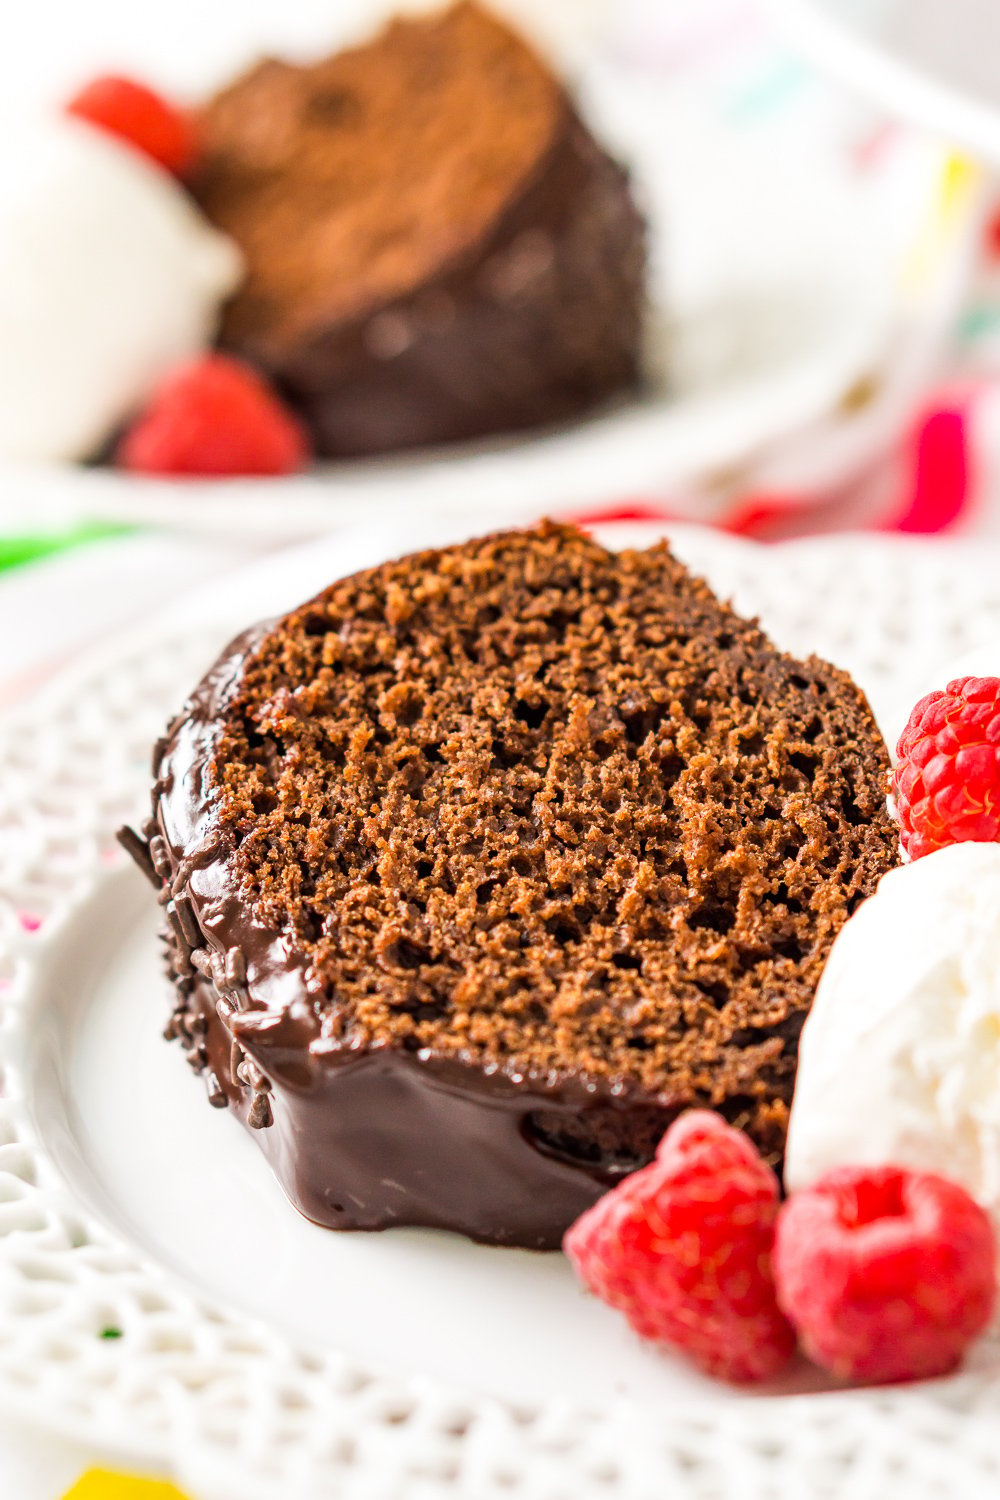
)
(370, 1139)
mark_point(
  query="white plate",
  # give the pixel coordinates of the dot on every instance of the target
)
(262, 1356)
(737, 367)
(743, 349)
(931, 61)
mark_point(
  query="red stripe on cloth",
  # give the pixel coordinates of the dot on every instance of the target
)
(751, 515)
(941, 469)
(623, 510)
(755, 516)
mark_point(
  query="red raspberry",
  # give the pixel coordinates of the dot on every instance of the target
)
(141, 117)
(887, 1274)
(215, 416)
(683, 1246)
(947, 778)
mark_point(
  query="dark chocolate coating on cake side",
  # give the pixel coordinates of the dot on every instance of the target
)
(528, 314)
(484, 865)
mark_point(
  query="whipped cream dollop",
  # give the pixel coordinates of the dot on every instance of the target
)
(900, 1056)
(109, 276)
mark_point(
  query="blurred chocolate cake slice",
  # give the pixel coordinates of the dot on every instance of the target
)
(436, 247)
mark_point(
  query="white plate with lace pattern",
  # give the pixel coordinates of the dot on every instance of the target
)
(159, 1297)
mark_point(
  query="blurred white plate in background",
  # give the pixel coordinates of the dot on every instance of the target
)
(776, 282)
(930, 61)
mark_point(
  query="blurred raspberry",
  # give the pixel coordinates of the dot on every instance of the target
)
(886, 1274)
(946, 783)
(135, 113)
(215, 416)
(682, 1247)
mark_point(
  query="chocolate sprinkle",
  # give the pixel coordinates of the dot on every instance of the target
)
(138, 849)
(173, 917)
(160, 856)
(216, 1093)
(188, 922)
(260, 1116)
(252, 1075)
(236, 969)
(202, 960)
(200, 856)
(182, 963)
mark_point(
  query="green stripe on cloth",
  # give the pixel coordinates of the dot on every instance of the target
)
(29, 547)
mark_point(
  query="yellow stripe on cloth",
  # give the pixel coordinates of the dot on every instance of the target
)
(957, 192)
(101, 1484)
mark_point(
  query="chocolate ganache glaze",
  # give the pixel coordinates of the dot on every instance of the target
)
(752, 823)
(357, 1140)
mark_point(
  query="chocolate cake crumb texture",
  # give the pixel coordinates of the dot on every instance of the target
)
(555, 813)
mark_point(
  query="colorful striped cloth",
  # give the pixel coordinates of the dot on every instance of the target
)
(33, 547)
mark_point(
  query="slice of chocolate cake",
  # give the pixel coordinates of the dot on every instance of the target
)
(484, 864)
(436, 248)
